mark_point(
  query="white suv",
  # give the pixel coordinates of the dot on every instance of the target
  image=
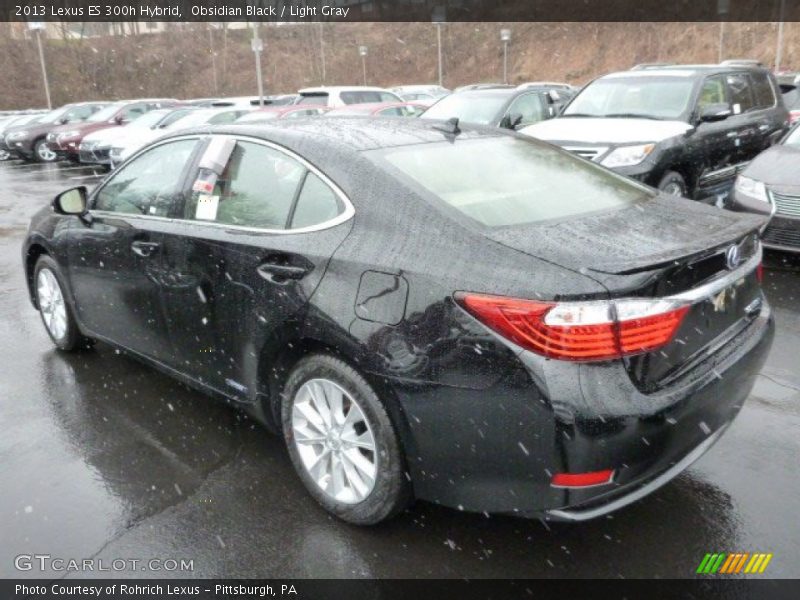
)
(335, 96)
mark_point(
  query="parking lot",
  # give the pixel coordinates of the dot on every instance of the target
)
(110, 459)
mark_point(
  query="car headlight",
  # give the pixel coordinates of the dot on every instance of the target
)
(751, 188)
(68, 134)
(626, 156)
(17, 134)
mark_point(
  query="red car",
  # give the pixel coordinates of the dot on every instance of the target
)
(290, 111)
(380, 109)
(65, 140)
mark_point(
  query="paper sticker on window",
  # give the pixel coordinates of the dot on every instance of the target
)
(206, 207)
(737, 108)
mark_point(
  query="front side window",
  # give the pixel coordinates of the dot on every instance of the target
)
(712, 92)
(149, 184)
(504, 181)
(530, 107)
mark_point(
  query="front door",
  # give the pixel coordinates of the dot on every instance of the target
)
(253, 245)
(115, 258)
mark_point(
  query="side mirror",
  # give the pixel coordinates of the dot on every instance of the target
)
(71, 202)
(63, 120)
(715, 112)
(511, 121)
(120, 120)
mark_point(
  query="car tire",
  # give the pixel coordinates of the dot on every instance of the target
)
(672, 183)
(57, 317)
(41, 153)
(359, 415)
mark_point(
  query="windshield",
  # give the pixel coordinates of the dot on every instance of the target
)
(104, 114)
(661, 97)
(197, 117)
(313, 99)
(149, 119)
(259, 115)
(469, 108)
(54, 115)
(510, 181)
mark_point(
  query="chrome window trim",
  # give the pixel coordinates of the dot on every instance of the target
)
(344, 216)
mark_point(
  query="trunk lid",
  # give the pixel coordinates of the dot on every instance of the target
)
(665, 247)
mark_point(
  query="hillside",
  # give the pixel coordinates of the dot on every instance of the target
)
(178, 63)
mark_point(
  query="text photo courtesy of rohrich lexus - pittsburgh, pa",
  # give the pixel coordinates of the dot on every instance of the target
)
(370, 299)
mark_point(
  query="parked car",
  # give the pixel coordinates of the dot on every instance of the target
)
(282, 112)
(421, 94)
(686, 130)
(334, 96)
(791, 98)
(507, 107)
(10, 123)
(195, 118)
(65, 140)
(541, 336)
(28, 141)
(770, 186)
(379, 109)
(95, 148)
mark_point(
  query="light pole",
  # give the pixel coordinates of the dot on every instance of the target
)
(505, 37)
(258, 46)
(723, 8)
(322, 50)
(213, 56)
(37, 27)
(438, 17)
(362, 51)
(779, 51)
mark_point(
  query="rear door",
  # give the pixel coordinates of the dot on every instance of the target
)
(251, 245)
(743, 105)
(115, 265)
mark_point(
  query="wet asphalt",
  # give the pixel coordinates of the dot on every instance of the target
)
(103, 457)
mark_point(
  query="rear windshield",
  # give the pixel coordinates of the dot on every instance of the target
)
(510, 181)
(479, 108)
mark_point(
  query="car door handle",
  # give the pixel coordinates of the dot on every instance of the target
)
(276, 273)
(145, 249)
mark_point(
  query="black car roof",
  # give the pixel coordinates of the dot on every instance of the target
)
(350, 133)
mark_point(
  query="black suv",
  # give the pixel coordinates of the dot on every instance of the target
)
(687, 130)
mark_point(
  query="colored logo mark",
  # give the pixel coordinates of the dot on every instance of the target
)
(734, 562)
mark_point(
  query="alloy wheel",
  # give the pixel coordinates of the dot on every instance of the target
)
(673, 189)
(334, 440)
(44, 153)
(51, 304)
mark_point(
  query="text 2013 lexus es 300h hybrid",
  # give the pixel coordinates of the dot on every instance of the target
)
(462, 315)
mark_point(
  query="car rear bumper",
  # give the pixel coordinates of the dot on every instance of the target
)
(496, 449)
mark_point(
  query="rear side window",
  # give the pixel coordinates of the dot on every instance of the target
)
(256, 189)
(762, 89)
(509, 181)
(740, 92)
(316, 204)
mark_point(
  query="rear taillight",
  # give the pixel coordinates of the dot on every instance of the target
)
(595, 330)
(760, 272)
(794, 116)
(580, 480)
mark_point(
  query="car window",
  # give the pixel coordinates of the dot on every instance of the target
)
(530, 106)
(256, 189)
(387, 97)
(741, 92)
(313, 99)
(502, 181)
(149, 184)
(316, 204)
(712, 92)
(394, 111)
(226, 117)
(762, 89)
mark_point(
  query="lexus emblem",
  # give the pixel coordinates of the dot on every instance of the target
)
(732, 257)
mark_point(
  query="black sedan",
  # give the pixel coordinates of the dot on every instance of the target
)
(457, 314)
(770, 185)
